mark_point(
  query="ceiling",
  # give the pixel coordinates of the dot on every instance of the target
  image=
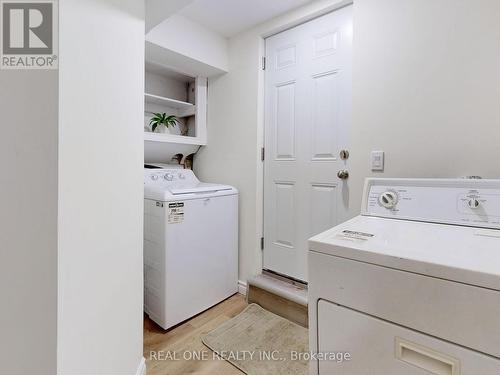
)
(230, 17)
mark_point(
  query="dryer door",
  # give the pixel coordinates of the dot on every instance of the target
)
(377, 347)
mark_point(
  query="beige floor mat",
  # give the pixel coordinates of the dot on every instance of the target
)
(259, 342)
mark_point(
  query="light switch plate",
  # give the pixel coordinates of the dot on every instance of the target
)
(377, 160)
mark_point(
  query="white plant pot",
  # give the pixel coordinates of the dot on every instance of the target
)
(163, 129)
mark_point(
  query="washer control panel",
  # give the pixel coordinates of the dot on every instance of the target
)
(450, 201)
(170, 177)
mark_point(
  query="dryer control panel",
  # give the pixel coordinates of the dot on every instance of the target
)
(449, 201)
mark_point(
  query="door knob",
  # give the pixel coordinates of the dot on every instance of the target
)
(343, 174)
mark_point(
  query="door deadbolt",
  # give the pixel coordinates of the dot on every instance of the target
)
(344, 154)
(343, 174)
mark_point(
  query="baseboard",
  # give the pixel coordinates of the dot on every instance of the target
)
(242, 287)
(280, 286)
(141, 370)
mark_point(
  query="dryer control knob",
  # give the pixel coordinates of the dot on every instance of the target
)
(473, 203)
(181, 176)
(168, 177)
(388, 199)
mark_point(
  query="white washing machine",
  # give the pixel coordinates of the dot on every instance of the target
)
(412, 285)
(190, 245)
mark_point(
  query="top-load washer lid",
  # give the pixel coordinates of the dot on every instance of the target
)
(448, 229)
(200, 188)
(174, 184)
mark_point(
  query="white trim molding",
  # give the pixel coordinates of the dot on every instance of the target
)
(242, 287)
(141, 370)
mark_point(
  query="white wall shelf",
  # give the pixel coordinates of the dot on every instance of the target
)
(168, 91)
(173, 138)
(168, 102)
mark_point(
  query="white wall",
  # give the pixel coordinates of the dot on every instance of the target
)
(233, 142)
(161, 85)
(158, 10)
(426, 89)
(28, 222)
(100, 187)
(235, 128)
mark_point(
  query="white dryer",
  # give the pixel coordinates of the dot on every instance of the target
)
(190, 244)
(412, 285)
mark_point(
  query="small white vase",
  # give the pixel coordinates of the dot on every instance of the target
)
(163, 129)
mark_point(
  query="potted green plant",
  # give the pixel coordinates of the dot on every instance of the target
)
(162, 119)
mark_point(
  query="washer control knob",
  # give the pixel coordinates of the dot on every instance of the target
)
(181, 176)
(168, 177)
(473, 203)
(154, 177)
(389, 199)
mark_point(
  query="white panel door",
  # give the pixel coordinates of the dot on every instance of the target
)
(307, 119)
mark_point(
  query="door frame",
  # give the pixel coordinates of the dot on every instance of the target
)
(287, 24)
